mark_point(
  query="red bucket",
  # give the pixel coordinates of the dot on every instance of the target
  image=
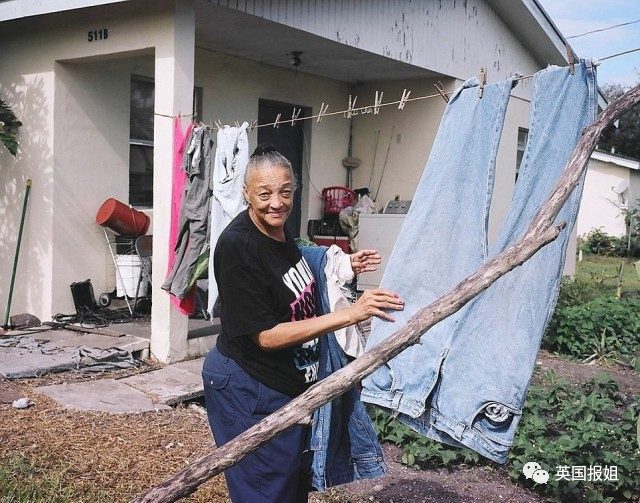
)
(122, 218)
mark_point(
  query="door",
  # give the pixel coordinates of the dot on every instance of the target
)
(288, 140)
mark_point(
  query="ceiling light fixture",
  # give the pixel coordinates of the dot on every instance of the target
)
(295, 58)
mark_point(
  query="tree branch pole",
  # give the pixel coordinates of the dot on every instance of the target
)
(541, 232)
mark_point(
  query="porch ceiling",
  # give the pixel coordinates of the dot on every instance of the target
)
(232, 32)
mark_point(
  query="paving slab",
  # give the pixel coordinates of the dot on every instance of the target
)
(69, 338)
(170, 385)
(194, 366)
(103, 395)
(16, 363)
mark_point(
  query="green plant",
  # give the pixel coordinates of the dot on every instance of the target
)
(562, 425)
(598, 242)
(605, 327)
(9, 125)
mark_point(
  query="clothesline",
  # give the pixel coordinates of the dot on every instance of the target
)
(352, 110)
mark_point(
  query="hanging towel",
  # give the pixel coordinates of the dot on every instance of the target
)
(179, 179)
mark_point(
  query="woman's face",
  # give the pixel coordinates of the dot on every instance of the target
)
(269, 192)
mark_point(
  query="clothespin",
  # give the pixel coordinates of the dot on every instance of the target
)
(237, 124)
(276, 123)
(252, 125)
(323, 111)
(377, 103)
(571, 56)
(439, 87)
(352, 105)
(483, 81)
(295, 114)
(218, 124)
(403, 100)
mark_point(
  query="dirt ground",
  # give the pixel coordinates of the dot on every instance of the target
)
(99, 457)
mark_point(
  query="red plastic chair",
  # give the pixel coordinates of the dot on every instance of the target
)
(335, 199)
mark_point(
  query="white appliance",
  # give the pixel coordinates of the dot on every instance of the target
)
(377, 232)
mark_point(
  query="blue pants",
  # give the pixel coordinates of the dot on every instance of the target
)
(235, 402)
(466, 381)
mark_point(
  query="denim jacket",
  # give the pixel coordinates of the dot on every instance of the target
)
(343, 442)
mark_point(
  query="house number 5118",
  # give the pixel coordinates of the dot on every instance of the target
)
(94, 35)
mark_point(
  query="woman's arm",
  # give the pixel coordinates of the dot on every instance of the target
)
(294, 333)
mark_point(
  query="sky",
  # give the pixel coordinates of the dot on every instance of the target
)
(574, 17)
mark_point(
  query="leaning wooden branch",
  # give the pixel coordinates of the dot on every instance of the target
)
(541, 231)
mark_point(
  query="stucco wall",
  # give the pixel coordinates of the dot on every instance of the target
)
(601, 206)
(229, 96)
(412, 32)
(414, 130)
(72, 97)
(74, 103)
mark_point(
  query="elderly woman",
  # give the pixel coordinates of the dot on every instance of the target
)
(267, 350)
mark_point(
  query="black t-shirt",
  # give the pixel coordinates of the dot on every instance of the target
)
(263, 282)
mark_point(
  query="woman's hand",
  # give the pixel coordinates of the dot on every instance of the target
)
(365, 261)
(372, 302)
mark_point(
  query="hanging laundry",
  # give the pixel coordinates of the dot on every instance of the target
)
(179, 179)
(194, 213)
(231, 158)
(337, 272)
(465, 383)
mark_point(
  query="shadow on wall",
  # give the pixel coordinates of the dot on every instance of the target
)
(91, 164)
(27, 98)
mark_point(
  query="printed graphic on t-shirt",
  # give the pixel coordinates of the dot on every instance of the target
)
(301, 282)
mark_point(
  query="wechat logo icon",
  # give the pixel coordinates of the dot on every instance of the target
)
(534, 471)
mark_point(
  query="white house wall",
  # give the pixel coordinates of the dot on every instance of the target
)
(601, 207)
(29, 91)
(70, 136)
(414, 129)
(56, 81)
(229, 96)
(412, 32)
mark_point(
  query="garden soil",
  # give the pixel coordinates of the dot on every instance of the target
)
(104, 457)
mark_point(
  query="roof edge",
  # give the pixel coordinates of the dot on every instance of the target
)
(18, 9)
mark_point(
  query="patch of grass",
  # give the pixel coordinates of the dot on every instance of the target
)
(48, 454)
(23, 481)
(603, 271)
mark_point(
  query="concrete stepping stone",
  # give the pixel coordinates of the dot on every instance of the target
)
(171, 384)
(16, 363)
(103, 395)
(194, 366)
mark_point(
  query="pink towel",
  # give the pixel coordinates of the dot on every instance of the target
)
(180, 139)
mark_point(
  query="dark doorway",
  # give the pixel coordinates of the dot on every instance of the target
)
(289, 141)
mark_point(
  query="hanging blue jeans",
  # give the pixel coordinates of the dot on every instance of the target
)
(465, 383)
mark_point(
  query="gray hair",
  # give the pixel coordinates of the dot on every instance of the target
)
(266, 155)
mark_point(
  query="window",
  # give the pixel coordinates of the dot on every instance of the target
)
(523, 136)
(141, 142)
(141, 138)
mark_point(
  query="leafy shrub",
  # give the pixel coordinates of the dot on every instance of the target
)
(574, 291)
(605, 327)
(562, 425)
(598, 242)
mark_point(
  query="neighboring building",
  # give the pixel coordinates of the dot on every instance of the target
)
(612, 187)
(86, 77)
